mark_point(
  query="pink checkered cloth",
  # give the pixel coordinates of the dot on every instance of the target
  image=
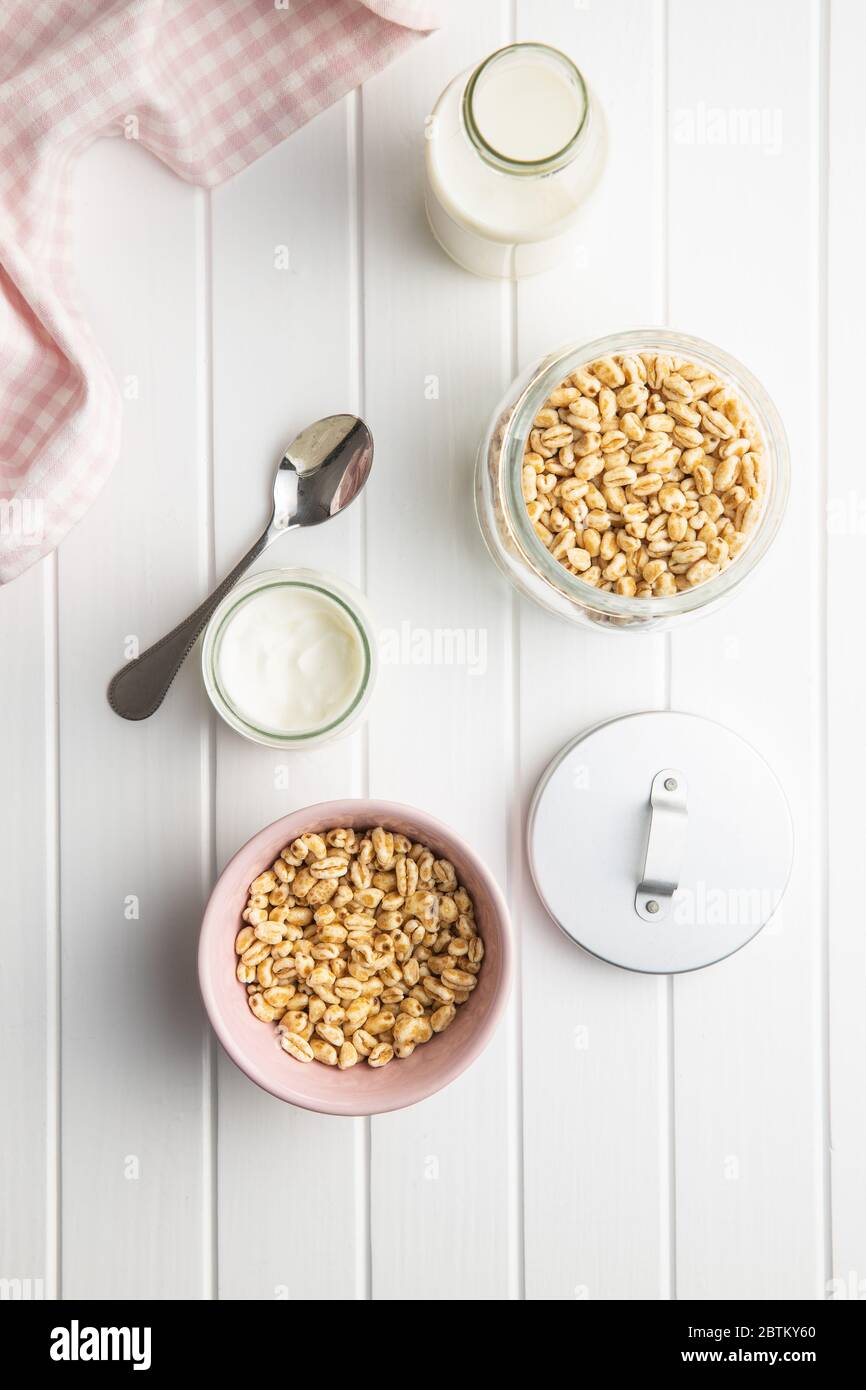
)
(207, 86)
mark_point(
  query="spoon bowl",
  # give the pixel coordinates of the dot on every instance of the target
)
(321, 472)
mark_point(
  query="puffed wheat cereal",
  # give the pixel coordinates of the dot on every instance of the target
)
(359, 947)
(644, 475)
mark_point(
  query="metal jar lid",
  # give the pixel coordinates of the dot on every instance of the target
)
(660, 842)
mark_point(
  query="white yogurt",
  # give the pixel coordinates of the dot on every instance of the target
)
(507, 176)
(290, 659)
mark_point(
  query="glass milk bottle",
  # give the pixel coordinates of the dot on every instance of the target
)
(514, 149)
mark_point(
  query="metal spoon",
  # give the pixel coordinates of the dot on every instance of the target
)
(321, 472)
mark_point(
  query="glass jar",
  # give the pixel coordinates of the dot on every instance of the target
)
(350, 610)
(513, 211)
(508, 531)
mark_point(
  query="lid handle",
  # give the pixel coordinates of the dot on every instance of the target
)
(666, 844)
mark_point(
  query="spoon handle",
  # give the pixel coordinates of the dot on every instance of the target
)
(139, 688)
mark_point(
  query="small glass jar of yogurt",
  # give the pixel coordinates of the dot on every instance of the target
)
(514, 148)
(289, 658)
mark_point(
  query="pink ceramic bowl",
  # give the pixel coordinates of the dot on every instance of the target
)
(363, 1090)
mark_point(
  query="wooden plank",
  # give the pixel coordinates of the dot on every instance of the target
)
(131, 794)
(748, 1035)
(846, 526)
(286, 353)
(28, 910)
(445, 1172)
(595, 1038)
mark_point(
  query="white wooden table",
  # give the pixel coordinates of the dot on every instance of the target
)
(624, 1136)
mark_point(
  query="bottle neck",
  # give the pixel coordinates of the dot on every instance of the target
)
(526, 110)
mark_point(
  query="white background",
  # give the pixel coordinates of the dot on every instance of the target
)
(624, 1136)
